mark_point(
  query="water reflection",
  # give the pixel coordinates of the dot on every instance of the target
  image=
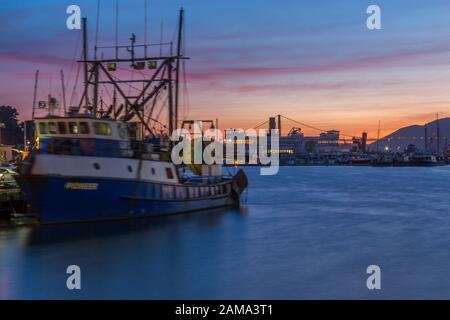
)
(29, 233)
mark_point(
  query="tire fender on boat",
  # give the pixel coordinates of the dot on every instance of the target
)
(238, 185)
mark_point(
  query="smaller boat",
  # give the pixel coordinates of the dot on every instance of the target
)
(424, 160)
(363, 160)
(10, 194)
(384, 160)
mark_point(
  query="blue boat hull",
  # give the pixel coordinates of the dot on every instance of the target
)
(62, 200)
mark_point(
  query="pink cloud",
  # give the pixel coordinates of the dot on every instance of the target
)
(383, 60)
(33, 58)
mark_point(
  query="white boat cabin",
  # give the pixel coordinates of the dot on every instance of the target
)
(81, 127)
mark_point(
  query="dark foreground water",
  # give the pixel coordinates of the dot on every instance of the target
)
(308, 232)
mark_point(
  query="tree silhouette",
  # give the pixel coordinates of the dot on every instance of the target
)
(11, 130)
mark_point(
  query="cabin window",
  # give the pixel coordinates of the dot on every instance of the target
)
(62, 127)
(52, 128)
(153, 171)
(102, 128)
(84, 128)
(169, 173)
(42, 128)
(122, 131)
(73, 128)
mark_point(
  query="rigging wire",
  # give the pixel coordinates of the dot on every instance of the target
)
(75, 85)
(162, 107)
(107, 92)
(74, 60)
(127, 84)
(132, 78)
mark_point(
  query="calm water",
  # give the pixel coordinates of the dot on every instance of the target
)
(309, 232)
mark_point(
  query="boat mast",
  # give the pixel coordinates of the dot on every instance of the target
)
(378, 136)
(179, 48)
(171, 117)
(36, 79)
(96, 79)
(438, 134)
(85, 62)
(63, 92)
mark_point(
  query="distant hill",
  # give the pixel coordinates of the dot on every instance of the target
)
(415, 135)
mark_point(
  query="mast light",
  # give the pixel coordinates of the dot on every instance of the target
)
(140, 65)
(112, 66)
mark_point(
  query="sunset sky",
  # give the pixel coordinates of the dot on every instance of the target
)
(313, 61)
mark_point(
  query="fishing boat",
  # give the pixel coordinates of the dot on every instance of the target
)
(384, 160)
(362, 160)
(110, 164)
(424, 160)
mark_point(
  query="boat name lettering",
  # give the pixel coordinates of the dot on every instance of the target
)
(81, 186)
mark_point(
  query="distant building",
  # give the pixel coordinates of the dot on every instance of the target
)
(292, 143)
(309, 145)
(410, 149)
(358, 145)
(329, 138)
(333, 149)
(364, 142)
